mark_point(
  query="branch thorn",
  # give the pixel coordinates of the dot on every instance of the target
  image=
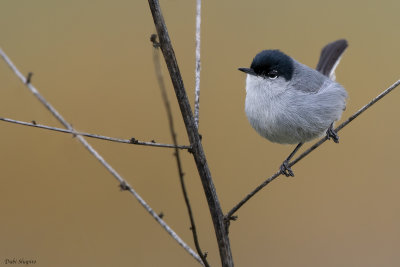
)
(124, 186)
(153, 39)
(133, 141)
(29, 77)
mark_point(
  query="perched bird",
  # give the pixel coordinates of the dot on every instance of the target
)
(290, 103)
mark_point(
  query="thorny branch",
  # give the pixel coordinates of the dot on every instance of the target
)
(161, 84)
(123, 184)
(229, 216)
(132, 141)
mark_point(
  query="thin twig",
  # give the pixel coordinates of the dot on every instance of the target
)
(132, 141)
(193, 134)
(161, 84)
(198, 65)
(229, 216)
(123, 184)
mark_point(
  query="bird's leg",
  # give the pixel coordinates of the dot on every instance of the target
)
(285, 169)
(331, 133)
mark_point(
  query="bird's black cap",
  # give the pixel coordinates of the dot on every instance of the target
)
(271, 60)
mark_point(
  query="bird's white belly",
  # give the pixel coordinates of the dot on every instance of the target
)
(278, 122)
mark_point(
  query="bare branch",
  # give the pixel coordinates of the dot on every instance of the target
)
(229, 216)
(193, 134)
(132, 141)
(198, 66)
(161, 84)
(123, 184)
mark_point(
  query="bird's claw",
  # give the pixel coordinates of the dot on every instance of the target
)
(330, 133)
(286, 170)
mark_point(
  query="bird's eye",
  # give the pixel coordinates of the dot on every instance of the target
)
(273, 74)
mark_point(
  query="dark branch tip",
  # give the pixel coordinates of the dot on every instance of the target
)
(34, 122)
(228, 218)
(153, 39)
(161, 215)
(153, 141)
(233, 217)
(29, 77)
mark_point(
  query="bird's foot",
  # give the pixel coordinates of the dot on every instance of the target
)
(286, 170)
(330, 133)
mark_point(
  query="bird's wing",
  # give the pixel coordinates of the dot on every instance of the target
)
(306, 79)
(330, 57)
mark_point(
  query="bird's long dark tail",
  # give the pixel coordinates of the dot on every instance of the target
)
(330, 57)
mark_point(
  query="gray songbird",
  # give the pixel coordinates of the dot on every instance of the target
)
(290, 103)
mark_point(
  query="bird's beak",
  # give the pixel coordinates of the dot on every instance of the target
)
(247, 70)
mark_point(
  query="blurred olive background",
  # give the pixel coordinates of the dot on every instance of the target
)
(93, 61)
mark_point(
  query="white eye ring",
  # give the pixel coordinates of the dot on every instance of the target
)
(273, 74)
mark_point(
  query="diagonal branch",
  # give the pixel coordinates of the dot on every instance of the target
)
(161, 84)
(350, 119)
(132, 141)
(193, 134)
(123, 184)
(229, 216)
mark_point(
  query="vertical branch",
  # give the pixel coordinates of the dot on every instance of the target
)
(193, 134)
(198, 66)
(123, 184)
(161, 84)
